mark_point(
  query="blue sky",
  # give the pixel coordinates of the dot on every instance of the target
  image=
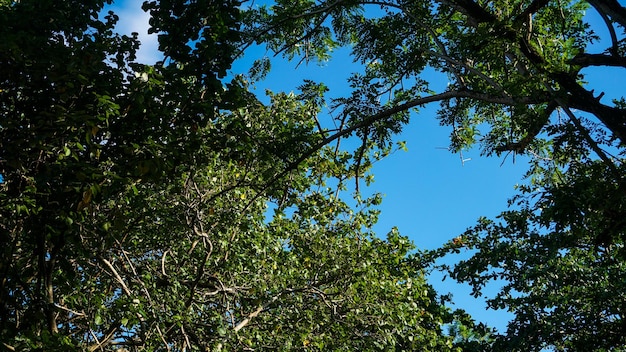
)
(429, 193)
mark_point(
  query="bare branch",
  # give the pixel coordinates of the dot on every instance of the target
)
(535, 6)
(167, 345)
(612, 8)
(586, 60)
(615, 48)
(163, 263)
(117, 276)
(108, 336)
(69, 310)
(252, 315)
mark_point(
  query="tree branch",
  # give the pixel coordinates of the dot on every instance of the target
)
(117, 276)
(502, 99)
(252, 315)
(612, 8)
(474, 11)
(580, 98)
(468, 67)
(615, 48)
(108, 336)
(535, 6)
(586, 60)
(532, 132)
(593, 144)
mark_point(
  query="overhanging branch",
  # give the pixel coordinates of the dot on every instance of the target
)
(586, 60)
(612, 8)
(579, 98)
(484, 97)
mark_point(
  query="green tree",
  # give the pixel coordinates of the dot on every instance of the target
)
(516, 73)
(134, 209)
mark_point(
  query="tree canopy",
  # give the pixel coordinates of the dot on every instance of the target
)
(134, 212)
(516, 73)
(165, 207)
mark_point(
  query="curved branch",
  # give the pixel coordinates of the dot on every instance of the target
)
(503, 99)
(535, 6)
(614, 49)
(579, 98)
(612, 8)
(406, 106)
(586, 60)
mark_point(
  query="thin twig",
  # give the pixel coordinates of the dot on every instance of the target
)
(117, 276)
(163, 263)
(108, 336)
(167, 345)
(252, 315)
(69, 310)
(182, 329)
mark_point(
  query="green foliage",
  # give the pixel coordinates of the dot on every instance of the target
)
(562, 257)
(136, 207)
(515, 73)
(135, 212)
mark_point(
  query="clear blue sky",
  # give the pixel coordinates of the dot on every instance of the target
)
(430, 195)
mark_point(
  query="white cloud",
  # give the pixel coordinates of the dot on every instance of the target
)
(134, 19)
